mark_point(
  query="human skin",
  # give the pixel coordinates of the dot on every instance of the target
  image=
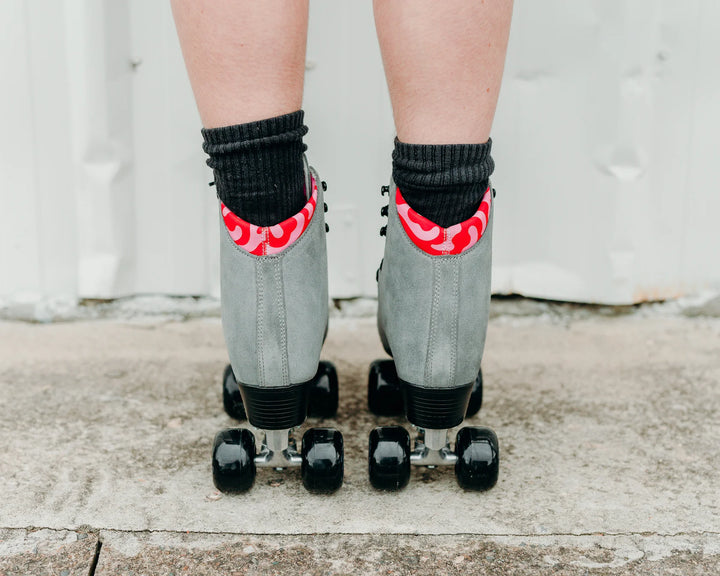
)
(245, 60)
(443, 63)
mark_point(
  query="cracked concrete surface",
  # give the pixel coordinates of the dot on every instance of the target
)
(58, 552)
(376, 555)
(608, 427)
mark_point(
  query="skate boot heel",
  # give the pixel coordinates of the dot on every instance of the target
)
(276, 408)
(387, 398)
(322, 393)
(436, 408)
(275, 317)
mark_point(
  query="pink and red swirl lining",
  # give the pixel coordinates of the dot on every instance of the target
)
(437, 241)
(268, 240)
(426, 235)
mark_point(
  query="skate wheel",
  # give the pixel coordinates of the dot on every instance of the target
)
(233, 460)
(475, 396)
(389, 458)
(323, 460)
(385, 396)
(478, 458)
(232, 400)
(323, 392)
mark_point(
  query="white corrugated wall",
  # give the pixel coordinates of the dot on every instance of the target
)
(605, 145)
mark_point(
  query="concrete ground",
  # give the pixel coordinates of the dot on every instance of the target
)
(609, 428)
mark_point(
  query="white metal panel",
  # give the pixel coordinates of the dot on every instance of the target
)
(36, 191)
(351, 137)
(102, 146)
(176, 211)
(20, 265)
(700, 261)
(602, 155)
(605, 144)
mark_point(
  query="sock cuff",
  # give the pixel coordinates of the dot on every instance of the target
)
(439, 152)
(432, 166)
(258, 167)
(259, 134)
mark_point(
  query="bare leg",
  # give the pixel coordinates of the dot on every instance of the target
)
(246, 60)
(444, 63)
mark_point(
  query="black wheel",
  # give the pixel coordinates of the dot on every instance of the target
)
(478, 458)
(232, 400)
(389, 458)
(385, 397)
(323, 460)
(323, 393)
(233, 460)
(475, 396)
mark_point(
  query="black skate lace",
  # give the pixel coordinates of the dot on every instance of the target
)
(325, 206)
(383, 230)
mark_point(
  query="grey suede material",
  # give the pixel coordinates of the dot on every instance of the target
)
(275, 308)
(433, 310)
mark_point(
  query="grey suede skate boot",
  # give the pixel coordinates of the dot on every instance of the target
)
(275, 315)
(433, 304)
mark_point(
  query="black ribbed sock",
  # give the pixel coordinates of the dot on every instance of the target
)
(258, 167)
(443, 182)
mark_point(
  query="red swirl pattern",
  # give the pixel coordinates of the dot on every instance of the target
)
(433, 239)
(268, 240)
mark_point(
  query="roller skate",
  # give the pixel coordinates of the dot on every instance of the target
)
(274, 298)
(433, 304)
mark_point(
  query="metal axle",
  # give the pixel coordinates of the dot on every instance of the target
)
(278, 450)
(432, 448)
